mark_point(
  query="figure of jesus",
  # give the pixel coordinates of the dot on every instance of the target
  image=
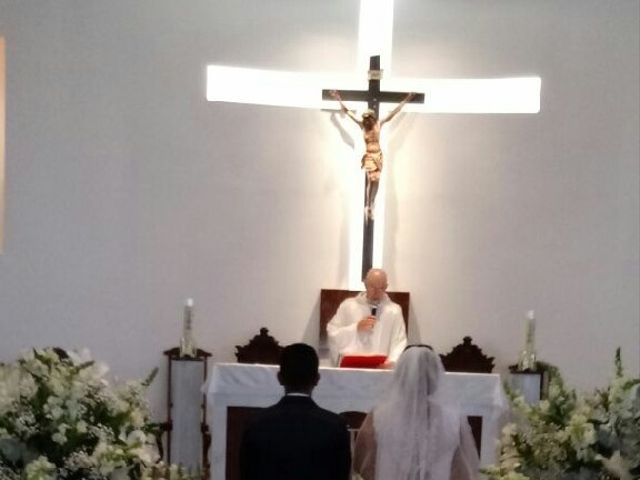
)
(372, 158)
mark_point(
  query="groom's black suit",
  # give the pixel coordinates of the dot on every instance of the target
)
(295, 439)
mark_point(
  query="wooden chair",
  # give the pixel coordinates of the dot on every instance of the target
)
(262, 348)
(467, 357)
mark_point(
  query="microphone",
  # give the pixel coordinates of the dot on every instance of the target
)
(369, 331)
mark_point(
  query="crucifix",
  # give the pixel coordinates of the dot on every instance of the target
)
(296, 89)
(372, 159)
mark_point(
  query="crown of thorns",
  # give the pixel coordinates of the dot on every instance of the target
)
(369, 113)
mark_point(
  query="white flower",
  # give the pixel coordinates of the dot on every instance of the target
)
(74, 409)
(515, 476)
(174, 471)
(80, 460)
(121, 473)
(81, 426)
(544, 405)
(118, 406)
(137, 418)
(563, 433)
(53, 408)
(9, 387)
(79, 389)
(617, 465)
(79, 357)
(99, 370)
(40, 469)
(54, 398)
(59, 438)
(580, 432)
(28, 387)
(25, 424)
(136, 437)
(146, 454)
(57, 386)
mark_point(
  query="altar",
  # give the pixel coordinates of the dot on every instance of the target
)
(233, 385)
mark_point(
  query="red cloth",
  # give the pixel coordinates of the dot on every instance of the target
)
(362, 361)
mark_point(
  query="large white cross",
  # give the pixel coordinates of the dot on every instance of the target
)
(295, 89)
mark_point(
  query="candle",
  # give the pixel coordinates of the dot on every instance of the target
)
(188, 308)
(531, 327)
(187, 344)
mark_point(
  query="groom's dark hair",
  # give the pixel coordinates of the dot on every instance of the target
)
(298, 367)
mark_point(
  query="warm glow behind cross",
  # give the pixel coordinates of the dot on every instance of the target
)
(294, 89)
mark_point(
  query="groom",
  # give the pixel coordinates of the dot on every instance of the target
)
(295, 439)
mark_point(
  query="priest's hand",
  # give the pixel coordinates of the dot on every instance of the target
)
(387, 366)
(366, 324)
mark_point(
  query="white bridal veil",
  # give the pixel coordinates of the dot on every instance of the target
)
(417, 433)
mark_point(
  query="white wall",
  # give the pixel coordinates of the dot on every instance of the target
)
(507, 213)
(127, 192)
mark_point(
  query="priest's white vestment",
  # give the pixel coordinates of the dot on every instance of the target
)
(388, 336)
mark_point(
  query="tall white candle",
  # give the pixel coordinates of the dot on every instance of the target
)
(187, 344)
(531, 327)
(188, 312)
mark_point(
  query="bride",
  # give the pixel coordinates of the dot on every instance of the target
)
(412, 434)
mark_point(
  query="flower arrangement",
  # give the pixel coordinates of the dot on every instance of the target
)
(60, 418)
(573, 437)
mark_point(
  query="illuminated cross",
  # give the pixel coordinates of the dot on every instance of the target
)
(295, 89)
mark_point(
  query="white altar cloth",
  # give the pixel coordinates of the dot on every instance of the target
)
(340, 390)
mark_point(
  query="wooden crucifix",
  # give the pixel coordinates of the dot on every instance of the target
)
(372, 158)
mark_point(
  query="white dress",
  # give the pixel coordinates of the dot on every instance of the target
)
(412, 434)
(388, 336)
(458, 461)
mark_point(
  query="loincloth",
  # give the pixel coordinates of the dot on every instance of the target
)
(372, 164)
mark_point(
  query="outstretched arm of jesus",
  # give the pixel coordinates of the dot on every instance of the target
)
(350, 114)
(395, 111)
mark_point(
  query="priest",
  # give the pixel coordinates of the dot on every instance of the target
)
(369, 323)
